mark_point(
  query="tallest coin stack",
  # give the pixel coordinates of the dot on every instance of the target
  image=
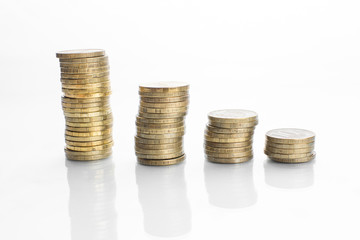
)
(160, 123)
(86, 87)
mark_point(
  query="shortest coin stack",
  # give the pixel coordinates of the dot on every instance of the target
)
(160, 123)
(228, 135)
(290, 145)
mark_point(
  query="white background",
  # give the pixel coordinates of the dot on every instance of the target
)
(296, 63)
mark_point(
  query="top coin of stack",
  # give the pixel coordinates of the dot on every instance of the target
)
(86, 87)
(228, 135)
(290, 145)
(160, 123)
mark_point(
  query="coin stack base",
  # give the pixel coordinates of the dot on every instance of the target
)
(86, 88)
(160, 123)
(228, 136)
(290, 145)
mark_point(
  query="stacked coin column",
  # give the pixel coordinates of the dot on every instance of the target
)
(228, 135)
(86, 90)
(160, 123)
(290, 145)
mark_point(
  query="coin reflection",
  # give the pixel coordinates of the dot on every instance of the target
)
(163, 198)
(92, 199)
(286, 175)
(230, 185)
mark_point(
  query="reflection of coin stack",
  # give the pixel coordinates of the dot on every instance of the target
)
(163, 198)
(92, 200)
(160, 123)
(230, 186)
(86, 88)
(290, 145)
(228, 135)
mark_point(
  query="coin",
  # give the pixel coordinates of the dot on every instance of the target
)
(289, 151)
(288, 156)
(88, 119)
(80, 53)
(162, 115)
(159, 125)
(88, 134)
(165, 105)
(85, 105)
(164, 99)
(162, 110)
(294, 160)
(84, 60)
(160, 156)
(90, 95)
(234, 125)
(88, 158)
(160, 136)
(83, 65)
(230, 130)
(290, 146)
(87, 139)
(84, 100)
(228, 145)
(158, 141)
(105, 111)
(232, 116)
(85, 81)
(166, 86)
(83, 75)
(85, 70)
(229, 155)
(229, 160)
(159, 146)
(227, 140)
(101, 122)
(89, 144)
(89, 153)
(92, 148)
(228, 135)
(86, 110)
(290, 135)
(228, 150)
(161, 162)
(160, 131)
(158, 151)
(88, 129)
(68, 91)
(140, 119)
(87, 86)
(163, 94)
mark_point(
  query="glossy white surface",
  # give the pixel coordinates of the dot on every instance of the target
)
(296, 63)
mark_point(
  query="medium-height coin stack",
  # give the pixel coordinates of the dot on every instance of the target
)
(160, 123)
(228, 135)
(290, 145)
(86, 87)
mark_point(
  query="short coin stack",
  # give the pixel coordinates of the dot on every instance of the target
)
(290, 145)
(228, 135)
(86, 87)
(160, 123)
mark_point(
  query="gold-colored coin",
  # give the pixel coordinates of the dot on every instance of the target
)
(294, 160)
(80, 53)
(232, 116)
(162, 115)
(90, 124)
(289, 151)
(228, 150)
(93, 148)
(288, 156)
(85, 105)
(157, 141)
(105, 111)
(159, 146)
(85, 81)
(88, 129)
(160, 131)
(160, 136)
(89, 134)
(227, 140)
(140, 119)
(86, 110)
(84, 60)
(88, 153)
(228, 135)
(87, 86)
(163, 94)
(234, 125)
(88, 119)
(159, 125)
(162, 110)
(87, 139)
(161, 162)
(229, 155)
(290, 146)
(88, 158)
(83, 75)
(68, 91)
(158, 151)
(85, 70)
(89, 95)
(164, 105)
(229, 160)
(290, 136)
(83, 65)
(89, 144)
(164, 87)
(228, 145)
(229, 130)
(164, 99)
(84, 100)
(159, 156)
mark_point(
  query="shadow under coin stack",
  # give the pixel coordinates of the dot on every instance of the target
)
(290, 145)
(228, 135)
(86, 87)
(160, 123)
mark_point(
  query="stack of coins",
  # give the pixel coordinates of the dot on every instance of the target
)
(86, 87)
(160, 123)
(290, 145)
(228, 135)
